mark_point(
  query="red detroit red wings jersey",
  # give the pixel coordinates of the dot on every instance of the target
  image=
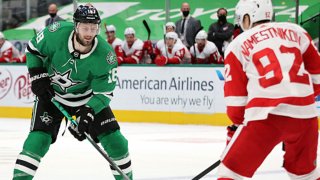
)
(134, 52)
(179, 51)
(116, 42)
(273, 68)
(209, 54)
(6, 52)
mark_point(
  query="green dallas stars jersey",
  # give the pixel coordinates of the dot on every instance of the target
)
(89, 79)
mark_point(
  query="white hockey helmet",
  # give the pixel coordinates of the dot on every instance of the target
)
(129, 30)
(237, 12)
(201, 35)
(2, 35)
(172, 35)
(257, 10)
(171, 24)
(110, 28)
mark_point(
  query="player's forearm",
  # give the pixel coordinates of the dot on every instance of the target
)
(174, 60)
(236, 114)
(4, 59)
(131, 60)
(33, 61)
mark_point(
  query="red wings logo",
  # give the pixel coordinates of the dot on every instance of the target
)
(268, 14)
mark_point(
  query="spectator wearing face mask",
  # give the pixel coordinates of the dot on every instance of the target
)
(187, 26)
(220, 32)
(52, 10)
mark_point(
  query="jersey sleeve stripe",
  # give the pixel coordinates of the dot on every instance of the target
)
(106, 94)
(33, 50)
(236, 100)
(136, 58)
(178, 58)
(272, 102)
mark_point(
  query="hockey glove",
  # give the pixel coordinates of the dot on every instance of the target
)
(161, 61)
(74, 131)
(85, 116)
(41, 84)
(147, 46)
(231, 130)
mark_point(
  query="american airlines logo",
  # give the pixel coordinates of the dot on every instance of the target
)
(220, 75)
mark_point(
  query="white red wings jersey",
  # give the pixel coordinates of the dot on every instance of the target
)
(6, 52)
(135, 51)
(160, 45)
(209, 54)
(273, 68)
(116, 42)
(178, 50)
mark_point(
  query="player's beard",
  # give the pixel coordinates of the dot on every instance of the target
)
(83, 42)
(201, 46)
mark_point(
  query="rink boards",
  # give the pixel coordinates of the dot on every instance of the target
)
(144, 93)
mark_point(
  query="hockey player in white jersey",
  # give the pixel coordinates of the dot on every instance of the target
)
(272, 75)
(132, 48)
(204, 51)
(114, 41)
(172, 52)
(170, 27)
(9, 53)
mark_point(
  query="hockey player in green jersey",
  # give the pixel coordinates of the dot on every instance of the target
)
(78, 67)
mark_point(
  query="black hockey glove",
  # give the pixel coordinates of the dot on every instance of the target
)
(85, 116)
(74, 131)
(41, 84)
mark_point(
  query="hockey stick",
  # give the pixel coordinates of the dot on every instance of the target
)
(194, 44)
(95, 145)
(206, 171)
(147, 28)
(152, 55)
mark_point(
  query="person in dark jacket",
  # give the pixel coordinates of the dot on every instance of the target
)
(187, 27)
(52, 11)
(220, 32)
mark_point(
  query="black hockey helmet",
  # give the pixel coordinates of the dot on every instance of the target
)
(86, 14)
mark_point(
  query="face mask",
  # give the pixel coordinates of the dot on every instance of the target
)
(52, 15)
(222, 18)
(185, 13)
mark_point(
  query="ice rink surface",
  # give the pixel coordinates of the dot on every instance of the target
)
(158, 152)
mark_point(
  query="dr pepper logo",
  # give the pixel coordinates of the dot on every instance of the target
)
(22, 89)
(5, 82)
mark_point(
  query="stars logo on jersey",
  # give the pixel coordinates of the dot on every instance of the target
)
(63, 80)
(46, 118)
(54, 26)
(111, 58)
